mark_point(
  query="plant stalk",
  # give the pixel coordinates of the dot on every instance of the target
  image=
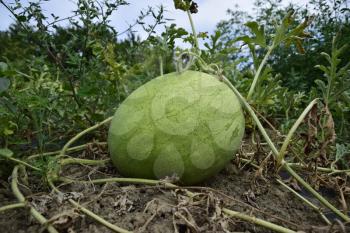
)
(196, 45)
(12, 206)
(318, 210)
(291, 132)
(23, 163)
(257, 221)
(330, 171)
(121, 180)
(83, 161)
(257, 74)
(316, 194)
(98, 218)
(82, 133)
(71, 149)
(40, 218)
(253, 115)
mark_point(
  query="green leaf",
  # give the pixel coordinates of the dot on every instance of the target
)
(8, 132)
(321, 85)
(182, 5)
(342, 71)
(281, 30)
(299, 46)
(259, 33)
(323, 68)
(21, 18)
(326, 55)
(341, 50)
(6, 152)
(341, 150)
(4, 84)
(245, 39)
(295, 35)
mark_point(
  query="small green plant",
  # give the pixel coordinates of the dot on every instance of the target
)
(342, 156)
(335, 88)
(284, 34)
(337, 80)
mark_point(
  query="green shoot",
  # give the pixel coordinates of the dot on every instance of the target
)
(282, 35)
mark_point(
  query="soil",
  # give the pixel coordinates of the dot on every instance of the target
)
(144, 208)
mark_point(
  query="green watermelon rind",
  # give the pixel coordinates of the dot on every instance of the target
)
(185, 124)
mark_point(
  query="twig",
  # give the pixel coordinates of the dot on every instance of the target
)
(128, 29)
(14, 15)
(60, 20)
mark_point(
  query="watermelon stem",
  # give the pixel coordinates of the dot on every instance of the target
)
(20, 197)
(70, 149)
(195, 38)
(257, 221)
(82, 133)
(13, 206)
(98, 218)
(307, 202)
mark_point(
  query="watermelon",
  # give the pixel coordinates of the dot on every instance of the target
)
(186, 125)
